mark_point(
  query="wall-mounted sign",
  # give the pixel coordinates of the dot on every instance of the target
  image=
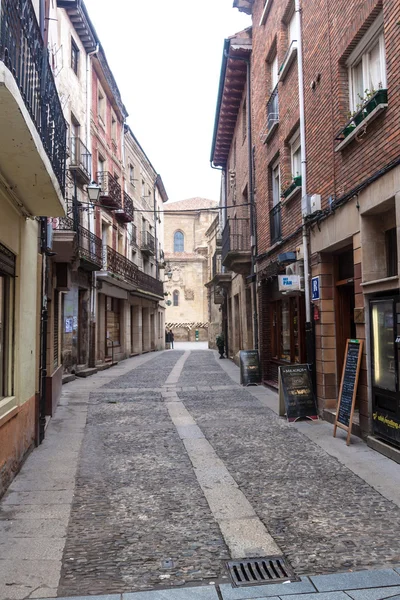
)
(69, 325)
(288, 283)
(315, 288)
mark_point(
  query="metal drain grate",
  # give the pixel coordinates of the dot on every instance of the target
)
(260, 571)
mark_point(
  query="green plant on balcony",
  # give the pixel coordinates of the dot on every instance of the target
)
(290, 185)
(369, 101)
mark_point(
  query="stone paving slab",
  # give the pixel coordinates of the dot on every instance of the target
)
(194, 593)
(267, 591)
(356, 580)
(375, 594)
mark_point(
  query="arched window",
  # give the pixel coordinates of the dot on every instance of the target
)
(179, 241)
(175, 297)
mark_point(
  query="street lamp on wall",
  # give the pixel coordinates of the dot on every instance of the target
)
(93, 190)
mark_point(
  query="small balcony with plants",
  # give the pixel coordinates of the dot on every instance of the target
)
(371, 105)
(291, 187)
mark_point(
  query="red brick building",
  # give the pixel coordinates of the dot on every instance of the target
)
(351, 54)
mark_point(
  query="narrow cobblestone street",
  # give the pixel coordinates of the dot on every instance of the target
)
(179, 469)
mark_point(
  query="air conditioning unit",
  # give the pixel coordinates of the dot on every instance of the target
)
(297, 268)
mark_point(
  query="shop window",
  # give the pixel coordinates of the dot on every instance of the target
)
(287, 338)
(391, 252)
(367, 65)
(179, 242)
(175, 297)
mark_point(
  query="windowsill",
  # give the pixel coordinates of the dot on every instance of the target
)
(286, 199)
(372, 115)
(265, 12)
(291, 55)
(377, 285)
(8, 408)
(271, 131)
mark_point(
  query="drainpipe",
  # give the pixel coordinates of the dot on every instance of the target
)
(43, 329)
(155, 223)
(309, 330)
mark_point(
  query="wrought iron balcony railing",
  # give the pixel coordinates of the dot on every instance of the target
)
(111, 193)
(126, 212)
(119, 265)
(275, 224)
(90, 248)
(273, 110)
(63, 224)
(150, 284)
(148, 242)
(80, 159)
(235, 237)
(25, 55)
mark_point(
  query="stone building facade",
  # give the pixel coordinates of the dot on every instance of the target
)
(186, 255)
(349, 199)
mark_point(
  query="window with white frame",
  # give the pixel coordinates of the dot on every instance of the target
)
(367, 65)
(292, 29)
(274, 72)
(101, 105)
(295, 154)
(276, 183)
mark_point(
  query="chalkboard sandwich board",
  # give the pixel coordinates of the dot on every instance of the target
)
(348, 387)
(250, 373)
(296, 396)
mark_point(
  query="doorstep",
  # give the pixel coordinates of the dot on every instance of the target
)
(384, 448)
(329, 414)
(87, 372)
(68, 377)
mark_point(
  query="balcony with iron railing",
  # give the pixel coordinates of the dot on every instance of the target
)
(70, 242)
(118, 268)
(111, 192)
(32, 123)
(275, 224)
(236, 245)
(272, 114)
(148, 244)
(80, 160)
(150, 284)
(125, 214)
(220, 276)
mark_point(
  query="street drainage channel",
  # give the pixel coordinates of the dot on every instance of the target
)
(260, 571)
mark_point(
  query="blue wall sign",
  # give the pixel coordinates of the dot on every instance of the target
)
(315, 288)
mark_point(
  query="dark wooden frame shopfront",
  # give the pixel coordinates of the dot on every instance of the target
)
(276, 330)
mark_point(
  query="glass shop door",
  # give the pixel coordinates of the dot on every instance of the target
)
(385, 345)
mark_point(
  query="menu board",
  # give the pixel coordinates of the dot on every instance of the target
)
(250, 373)
(348, 387)
(296, 392)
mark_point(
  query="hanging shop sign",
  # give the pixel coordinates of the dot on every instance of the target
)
(348, 387)
(296, 396)
(250, 372)
(288, 283)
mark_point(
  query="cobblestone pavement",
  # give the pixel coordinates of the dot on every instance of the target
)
(323, 517)
(139, 516)
(137, 504)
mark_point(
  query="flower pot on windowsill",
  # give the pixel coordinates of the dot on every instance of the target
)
(296, 183)
(359, 117)
(348, 129)
(380, 97)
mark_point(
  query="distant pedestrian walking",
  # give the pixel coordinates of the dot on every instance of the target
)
(171, 338)
(220, 341)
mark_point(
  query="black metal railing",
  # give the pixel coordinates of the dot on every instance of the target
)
(119, 265)
(128, 206)
(111, 193)
(235, 237)
(273, 109)
(275, 223)
(217, 264)
(148, 241)
(90, 246)
(134, 240)
(150, 284)
(63, 224)
(80, 157)
(25, 55)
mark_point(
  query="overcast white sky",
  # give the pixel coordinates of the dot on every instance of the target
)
(166, 58)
